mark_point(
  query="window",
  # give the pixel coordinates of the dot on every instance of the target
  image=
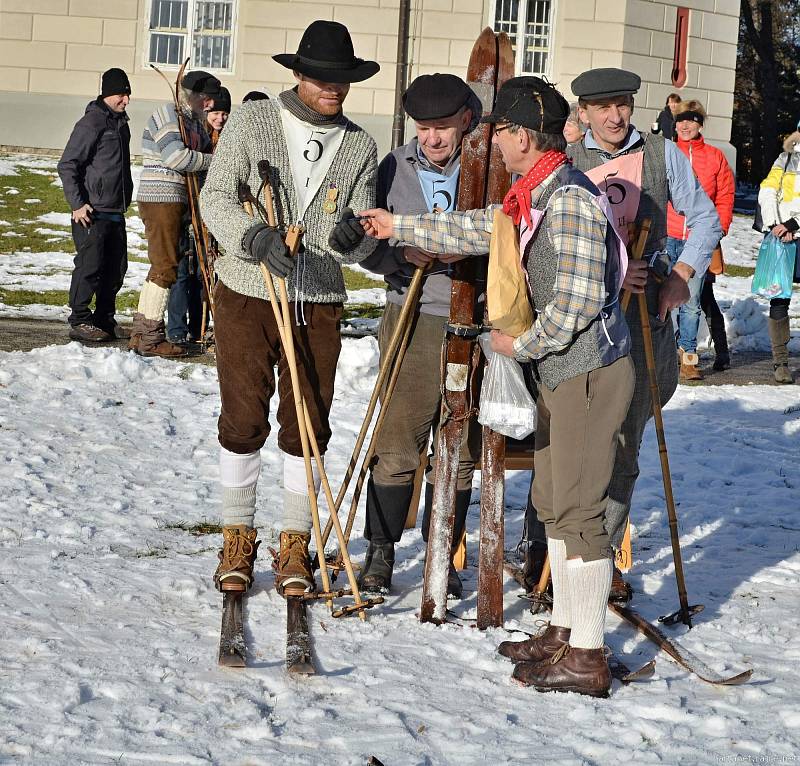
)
(200, 29)
(528, 24)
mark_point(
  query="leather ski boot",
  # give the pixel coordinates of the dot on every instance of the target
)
(293, 574)
(536, 648)
(236, 559)
(779, 338)
(376, 577)
(621, 592)
(583, 671)
(148, 338)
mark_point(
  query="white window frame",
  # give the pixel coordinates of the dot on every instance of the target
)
(519, 41)
(189, 37)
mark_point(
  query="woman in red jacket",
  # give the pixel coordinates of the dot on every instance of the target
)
(715, 176)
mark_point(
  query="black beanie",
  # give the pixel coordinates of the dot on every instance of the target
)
(115, 83)
(222, 103)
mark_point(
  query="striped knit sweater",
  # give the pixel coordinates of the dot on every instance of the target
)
(254, 132)
(165, 158)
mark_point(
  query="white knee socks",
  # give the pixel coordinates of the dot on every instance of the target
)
(153, 301)
(589, 585)
(296, 501)
(562, 614)
(238, 476)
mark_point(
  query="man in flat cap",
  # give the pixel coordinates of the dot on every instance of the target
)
(418, 177)
(320, 166)
(641, 173)
(579, 345)
(162, 200)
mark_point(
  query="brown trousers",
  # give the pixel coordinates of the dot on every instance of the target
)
(248, 348)
(162, 227)
(576, 441)
(413, 412)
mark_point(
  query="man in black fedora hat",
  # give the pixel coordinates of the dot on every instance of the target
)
(579, 346)
(163, 198)
(418, 177)
(320, 166)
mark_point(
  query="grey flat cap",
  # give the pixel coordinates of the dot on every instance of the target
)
(605, 83)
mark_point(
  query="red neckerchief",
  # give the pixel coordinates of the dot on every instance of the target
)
(517, 203)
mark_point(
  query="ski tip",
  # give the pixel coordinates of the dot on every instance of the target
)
(232, 660)
(301, 669)
(741, 678)
(642, 674)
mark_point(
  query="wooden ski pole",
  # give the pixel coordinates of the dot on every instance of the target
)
(684, 614)
(389, 362)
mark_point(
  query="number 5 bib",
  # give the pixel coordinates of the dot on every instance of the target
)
(311, 151)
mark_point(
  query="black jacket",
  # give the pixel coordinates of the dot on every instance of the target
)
(96, 164)
(666, 124)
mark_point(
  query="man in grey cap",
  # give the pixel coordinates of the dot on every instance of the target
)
(417, 177)
(579, 345)
(641, 173)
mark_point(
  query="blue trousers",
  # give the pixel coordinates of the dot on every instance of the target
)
(689, 313)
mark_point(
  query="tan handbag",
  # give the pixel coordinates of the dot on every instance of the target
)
(507, 288)
(717, 265)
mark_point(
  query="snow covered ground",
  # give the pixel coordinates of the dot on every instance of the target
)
(110, 620)
(109, 626)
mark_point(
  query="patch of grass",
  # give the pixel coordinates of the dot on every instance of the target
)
(732, 270)
(127, 300)
(363, 311)
(202, 528)
(355, 280)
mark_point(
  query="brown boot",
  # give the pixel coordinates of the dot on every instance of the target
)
(293, 574)
(537, 648)
(689, 366)
(148, 338)
(236, 559)
(621, 592)
(583, 671)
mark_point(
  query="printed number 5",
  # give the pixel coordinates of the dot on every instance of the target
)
(446, 194)
(315, 148)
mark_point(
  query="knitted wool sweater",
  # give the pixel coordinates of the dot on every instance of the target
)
(254, 132)
(165, 158)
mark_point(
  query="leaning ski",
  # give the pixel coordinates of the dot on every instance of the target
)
(680, 654)
(232, 644)
(299, 659)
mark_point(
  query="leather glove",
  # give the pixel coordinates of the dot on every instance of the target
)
(265, 244)
(347, 234)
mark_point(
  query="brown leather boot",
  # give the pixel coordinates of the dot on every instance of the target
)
(148, 338)
(236, 559)
(621, 592)
(293, 573)
(690, 369)
(536, 648)
(583, 671)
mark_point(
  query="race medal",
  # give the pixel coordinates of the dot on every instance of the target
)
(329, 206)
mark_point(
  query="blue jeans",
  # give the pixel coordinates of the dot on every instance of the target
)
(689, 313)
(185, 298)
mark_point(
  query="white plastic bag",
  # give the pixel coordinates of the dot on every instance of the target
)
(506, 405)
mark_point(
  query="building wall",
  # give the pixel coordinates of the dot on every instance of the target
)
(52, 53)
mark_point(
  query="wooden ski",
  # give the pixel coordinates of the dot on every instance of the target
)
(232, 645)
(460, 353)
(493, 445)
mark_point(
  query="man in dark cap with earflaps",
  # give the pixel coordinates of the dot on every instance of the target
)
(163, 199)
(579, 345)
(641, 173)
(418, 177)
(320, 166)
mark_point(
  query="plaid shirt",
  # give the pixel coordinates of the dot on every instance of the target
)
(577, 229)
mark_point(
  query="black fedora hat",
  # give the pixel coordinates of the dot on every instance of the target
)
(326, 53)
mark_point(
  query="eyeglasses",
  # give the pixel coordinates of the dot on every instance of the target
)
(500, 128)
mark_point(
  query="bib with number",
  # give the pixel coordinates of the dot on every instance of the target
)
(621, 181)
(311, 151)
(439, 191)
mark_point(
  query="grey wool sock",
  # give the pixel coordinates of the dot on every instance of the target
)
(296, 512)
(239, 506)
(589, 585)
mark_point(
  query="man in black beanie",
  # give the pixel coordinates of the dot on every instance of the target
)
(416, 178)
(95, 170)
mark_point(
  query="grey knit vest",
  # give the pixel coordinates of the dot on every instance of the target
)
(606, 338)
(652, 204)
